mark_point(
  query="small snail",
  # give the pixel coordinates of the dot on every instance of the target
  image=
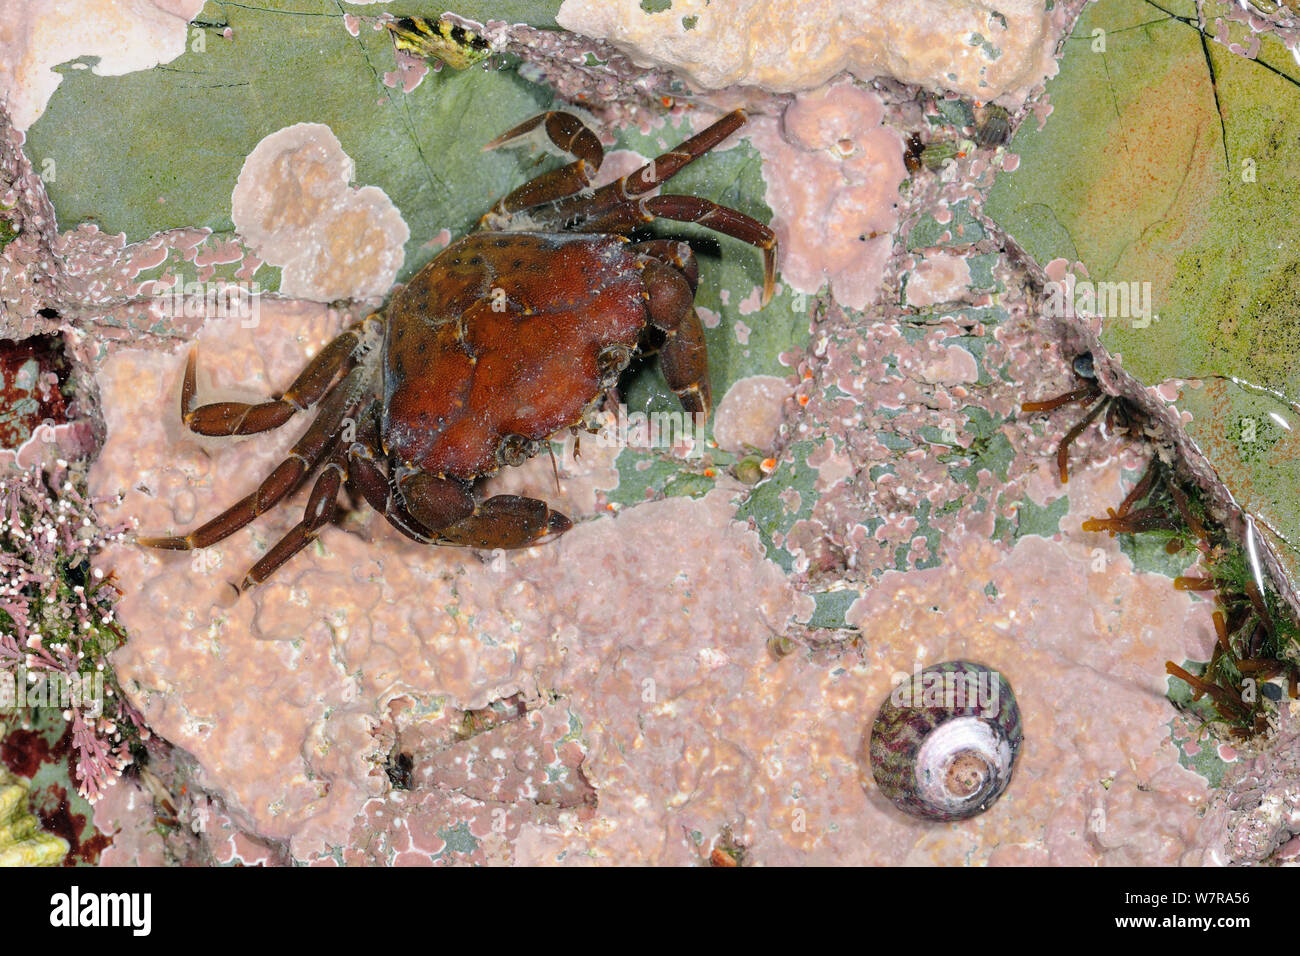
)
(945, 742)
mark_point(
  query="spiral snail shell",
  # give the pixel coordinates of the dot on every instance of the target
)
(945, 742)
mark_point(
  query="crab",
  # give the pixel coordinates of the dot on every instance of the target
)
(511, 335)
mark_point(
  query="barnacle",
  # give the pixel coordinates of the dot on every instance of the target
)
(993, 126)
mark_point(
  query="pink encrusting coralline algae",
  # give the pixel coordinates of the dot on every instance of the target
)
(833, 172)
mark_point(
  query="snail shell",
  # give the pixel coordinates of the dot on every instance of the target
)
(945, 742)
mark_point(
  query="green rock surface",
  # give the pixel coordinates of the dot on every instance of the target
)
(161, 149)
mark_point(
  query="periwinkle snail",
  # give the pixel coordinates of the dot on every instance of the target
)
(945, 742)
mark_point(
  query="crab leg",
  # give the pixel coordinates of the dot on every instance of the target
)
(622, 206)
(667, 165)
(568, 133)
(682, 356)
(241, 418)
(367, 477)
(302, 460)
(721, 219)
(321, 508)
(685, 364)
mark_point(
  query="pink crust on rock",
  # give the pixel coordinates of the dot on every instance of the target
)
(939, 279)
(410, 73)
(283, 695)
(69, 441)
(832, 176)
(952, 366)
(751, 412)
(125, 35)
(292, 204)
(982, 49)
(643, 637)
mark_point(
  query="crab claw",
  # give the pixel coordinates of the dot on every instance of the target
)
(446, 508)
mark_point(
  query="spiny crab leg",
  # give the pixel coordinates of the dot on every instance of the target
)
(302, 460)
(242, 418)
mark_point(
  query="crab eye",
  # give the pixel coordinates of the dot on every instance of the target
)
(515, 450)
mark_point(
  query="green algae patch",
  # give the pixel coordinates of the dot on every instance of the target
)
(831, 608)
(161, 149)
(1041, 520)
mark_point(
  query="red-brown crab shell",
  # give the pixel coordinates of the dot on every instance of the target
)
(499, 336)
